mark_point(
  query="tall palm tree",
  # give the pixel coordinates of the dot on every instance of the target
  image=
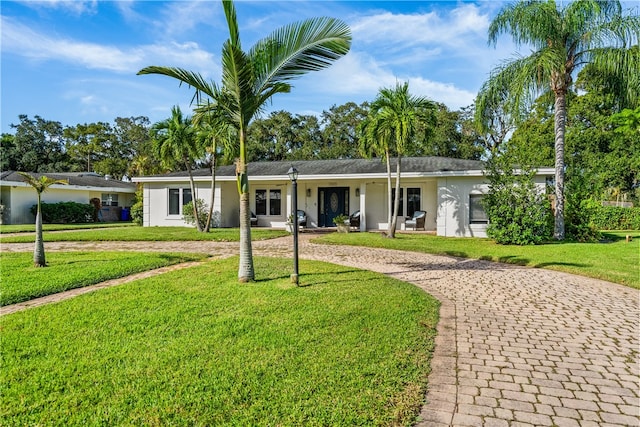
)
(40, 185)
(250, 78)
(393, 117)
(175, 138)
(564, 39)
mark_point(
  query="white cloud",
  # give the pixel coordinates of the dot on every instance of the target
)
(359, 75)
(22, 40)
(76, 7)
(183, 16)
(412, 29)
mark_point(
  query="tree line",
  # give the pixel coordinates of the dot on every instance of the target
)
(129, 146)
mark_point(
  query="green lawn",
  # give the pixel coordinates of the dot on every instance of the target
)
(193, 347)
(614, 260)
(26, 228)
(21, 281)
(139, 234)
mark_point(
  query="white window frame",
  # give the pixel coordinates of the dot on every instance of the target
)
(108, 199)
(181, 203)
(268, 190)
(479, 197)
(404, 192)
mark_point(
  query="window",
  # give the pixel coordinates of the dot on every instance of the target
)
(413, 200)
(477, 215)
(109, 199)
(401, 203)
(261, 202)
(175, 196)
(274, 202)
(269, 205)
(412, 203)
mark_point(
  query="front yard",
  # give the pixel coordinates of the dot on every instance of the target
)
(193, 347)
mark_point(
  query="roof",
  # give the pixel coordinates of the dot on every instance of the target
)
(342, 167)
(77, 179)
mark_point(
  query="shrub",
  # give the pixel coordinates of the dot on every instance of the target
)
(518, 213)
(615, 218)
(137, 209)
(188, 215)
(65, 212)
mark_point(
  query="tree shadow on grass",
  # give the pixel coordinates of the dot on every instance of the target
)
(507, 259)
(565, 264)
(316, 279)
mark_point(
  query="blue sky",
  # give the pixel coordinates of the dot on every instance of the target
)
(76, 61)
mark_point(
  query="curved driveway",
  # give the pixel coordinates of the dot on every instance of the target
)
(516, 346)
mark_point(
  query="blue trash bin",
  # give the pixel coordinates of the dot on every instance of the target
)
(125, 214)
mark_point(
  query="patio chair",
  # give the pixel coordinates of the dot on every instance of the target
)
(302, 218)
(417, 220)
(354, 220)
(254, 219)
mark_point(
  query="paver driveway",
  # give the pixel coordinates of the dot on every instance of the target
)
(516, 346)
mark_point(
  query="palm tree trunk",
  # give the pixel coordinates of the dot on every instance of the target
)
(213, 192)
(389, 194)
(396, 203)
(245, 268)
(194, 199)
(559, 128)
(38, 251)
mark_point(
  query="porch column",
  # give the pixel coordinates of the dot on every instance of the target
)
(363, 206)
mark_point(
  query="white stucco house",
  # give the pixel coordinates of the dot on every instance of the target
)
(17, 197)
(449, 190)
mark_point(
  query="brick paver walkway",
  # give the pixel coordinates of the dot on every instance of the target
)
(515, 347)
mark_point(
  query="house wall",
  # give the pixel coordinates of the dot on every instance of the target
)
(228, 204)
(453, 205)
(19, 200)
(156, 202)
(368, 196)
(377, 203)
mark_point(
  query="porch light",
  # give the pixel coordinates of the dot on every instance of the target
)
(293, 174)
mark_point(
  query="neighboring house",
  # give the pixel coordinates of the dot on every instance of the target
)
(17, 197)
(450, 190)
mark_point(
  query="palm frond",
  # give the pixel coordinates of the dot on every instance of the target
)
(42, 183)
(295, 49)
(190, 78)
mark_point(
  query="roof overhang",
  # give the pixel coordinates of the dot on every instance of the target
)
(20, 184)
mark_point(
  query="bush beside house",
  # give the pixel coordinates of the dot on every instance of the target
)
(66, 212)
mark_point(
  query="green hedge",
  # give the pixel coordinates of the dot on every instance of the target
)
(65, 212)
(614, 218)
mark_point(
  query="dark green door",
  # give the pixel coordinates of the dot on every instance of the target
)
(332, 201)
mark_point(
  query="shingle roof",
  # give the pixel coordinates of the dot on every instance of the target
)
(84, 179)
(344, 166)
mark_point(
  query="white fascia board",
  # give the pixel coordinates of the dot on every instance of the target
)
(332, 177)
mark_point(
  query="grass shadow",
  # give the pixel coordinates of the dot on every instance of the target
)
(564, 264)
(305, 283)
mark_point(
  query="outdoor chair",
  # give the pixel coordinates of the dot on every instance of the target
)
(354, 220)
(302, 218)
(417, 220)
(254, 219)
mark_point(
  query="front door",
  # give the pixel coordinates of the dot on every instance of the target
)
(332, 201)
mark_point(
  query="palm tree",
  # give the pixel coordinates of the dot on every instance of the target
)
(175, 138)
(218, 139)
(564, 40)
(40, 185)
(374, 140)
(392, 122)
(251, 78)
